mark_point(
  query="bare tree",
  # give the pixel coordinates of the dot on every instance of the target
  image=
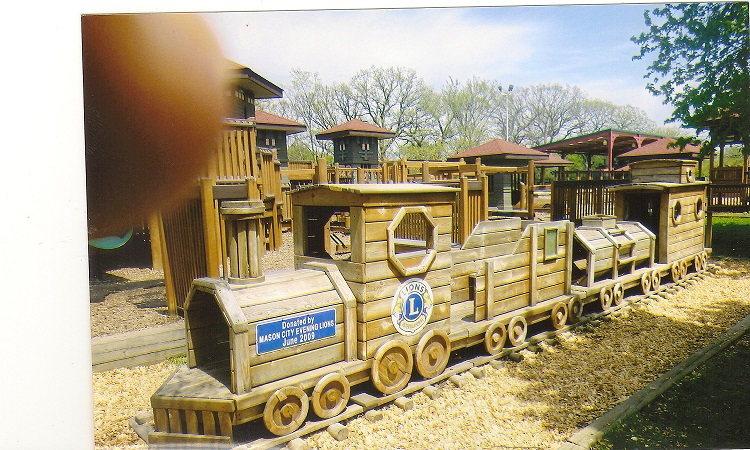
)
(389, 98)
(550, 113)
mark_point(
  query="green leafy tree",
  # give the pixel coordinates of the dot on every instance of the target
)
(701, 58)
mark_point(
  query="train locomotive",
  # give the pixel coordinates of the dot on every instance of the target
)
(293, 343)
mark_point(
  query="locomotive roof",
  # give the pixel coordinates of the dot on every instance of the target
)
(655, 186)
(360, 194)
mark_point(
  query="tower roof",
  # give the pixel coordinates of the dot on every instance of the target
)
(267, 121)
(355, 127)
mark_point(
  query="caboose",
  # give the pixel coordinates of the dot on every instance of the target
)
(666, 198)
(400, 300)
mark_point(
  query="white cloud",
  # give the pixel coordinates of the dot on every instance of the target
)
(436, 43)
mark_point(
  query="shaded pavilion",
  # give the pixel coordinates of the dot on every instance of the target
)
(273, 131)
(355, 143)
(610, 143)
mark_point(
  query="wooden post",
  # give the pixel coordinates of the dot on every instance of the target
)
(168, 280)
(484, 213)
(210, 227)
(360, 174)
(404, 170)
(569, 232)
(321, 172)
(478, 170)
(384, 171)
(530, 189)
(711, 163)
(336, 173)
(489, 289)
(155, 238)
(426, 171)
(463, 206)
(533, 253)
(253, 149)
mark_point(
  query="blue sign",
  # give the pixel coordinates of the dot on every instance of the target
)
(295, 330)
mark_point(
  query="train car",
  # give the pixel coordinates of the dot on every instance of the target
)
(665, 197)
(612, 256)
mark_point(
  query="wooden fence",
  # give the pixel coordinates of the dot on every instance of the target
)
(729, 197)
(575, 199)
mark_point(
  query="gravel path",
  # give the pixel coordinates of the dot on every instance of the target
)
(535, 403)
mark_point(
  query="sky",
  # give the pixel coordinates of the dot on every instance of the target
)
(586, 46)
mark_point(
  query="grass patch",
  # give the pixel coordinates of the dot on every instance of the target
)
(731, 236)
(177, 360)
(706, 409)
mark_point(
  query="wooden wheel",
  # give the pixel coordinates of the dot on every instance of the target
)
(618, 293)
(605, 297)
(433, 351)
(392, 366)
(330, 395)
(675, 270)
(517, 331)
(697, 263)
(575, 310)
(494, 338)
(646, 282)
(559, 315)
(704, 260)
(655, 279)
(683, 269)
(286, 410)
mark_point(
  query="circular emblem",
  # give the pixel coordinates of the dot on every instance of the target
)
(412, 306)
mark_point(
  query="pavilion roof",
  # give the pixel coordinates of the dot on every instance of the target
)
(554, 161)
(597, 143)
(661, 147)
(500, 147)
(355, 127)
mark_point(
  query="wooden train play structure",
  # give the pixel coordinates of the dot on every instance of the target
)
(281, 348)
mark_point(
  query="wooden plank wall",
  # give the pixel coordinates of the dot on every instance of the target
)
(684, 237)
(487, 240)
(522, 277)
(374, 280)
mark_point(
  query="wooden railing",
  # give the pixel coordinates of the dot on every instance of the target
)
(595, 175)
(575, 199)
(726, 197)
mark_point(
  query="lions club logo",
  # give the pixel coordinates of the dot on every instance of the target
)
(411, 306)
